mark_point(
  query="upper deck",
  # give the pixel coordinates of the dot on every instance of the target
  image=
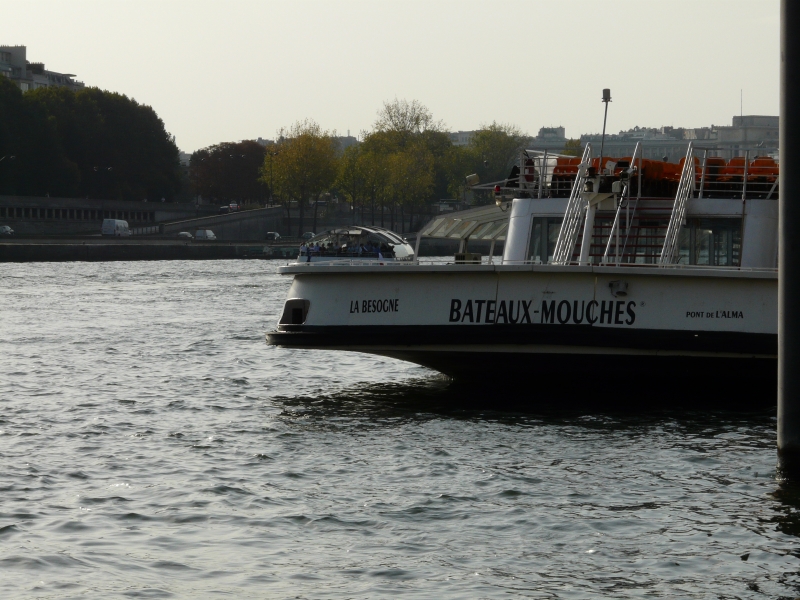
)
(702, 211)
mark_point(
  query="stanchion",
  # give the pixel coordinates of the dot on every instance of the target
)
(789, 246)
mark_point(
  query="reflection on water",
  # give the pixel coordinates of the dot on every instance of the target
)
(787, 511)
(154, 446)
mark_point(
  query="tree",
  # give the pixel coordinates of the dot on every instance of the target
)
(304, 166)
(404, 119)
(351, 178)
(406, 131)
(230, 171)
(32, 161)
(572, 148)
(411, 179)
(119, 147)
(492, 153)
(374, 166)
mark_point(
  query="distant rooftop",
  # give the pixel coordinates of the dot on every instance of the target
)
(32, 75)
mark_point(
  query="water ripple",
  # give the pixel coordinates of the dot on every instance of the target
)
(154, 447)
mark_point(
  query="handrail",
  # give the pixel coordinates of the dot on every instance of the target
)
(529, 263)
(573, 215)
(744, 178)
(617, 216)
(676, 221)
(542, 172)
(615, 228)
(703, 176)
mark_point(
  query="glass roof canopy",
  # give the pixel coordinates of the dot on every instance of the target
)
(481, 223)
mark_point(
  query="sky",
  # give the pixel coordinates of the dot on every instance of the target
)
(219, 71)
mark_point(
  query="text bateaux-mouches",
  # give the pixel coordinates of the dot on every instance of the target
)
(605, 312)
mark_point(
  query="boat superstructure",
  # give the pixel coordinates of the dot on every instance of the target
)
(363, 244)
(634, 267)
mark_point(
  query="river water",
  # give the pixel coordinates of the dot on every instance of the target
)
(153, 446)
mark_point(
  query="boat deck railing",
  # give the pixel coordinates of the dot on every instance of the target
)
(751, 175)
(497, 261)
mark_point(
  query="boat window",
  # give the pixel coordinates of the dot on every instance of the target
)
(536, 241)
(648, 240)
(722, 256)
(544, 234)
(603, 227)
(497, 231)
(702, 246)
(712, 242)
(553, 229)
(684, 245)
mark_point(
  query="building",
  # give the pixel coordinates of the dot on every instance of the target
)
(30, 76)
(657, 144)
(461, 138)
(751, 135)
(549, 138)
(345, 141)
(756, 132)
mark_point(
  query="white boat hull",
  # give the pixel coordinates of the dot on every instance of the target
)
(526, 320)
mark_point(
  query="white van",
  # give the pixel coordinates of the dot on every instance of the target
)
(204, 234)
(115, 227)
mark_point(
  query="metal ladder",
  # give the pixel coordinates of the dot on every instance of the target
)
(678, 218)
(573, 216)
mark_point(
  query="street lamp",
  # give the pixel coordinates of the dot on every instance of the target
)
(272, 155)
(606, 100)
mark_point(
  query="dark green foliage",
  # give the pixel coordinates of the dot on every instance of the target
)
(90, 143)
(572, 148)
(231, 171)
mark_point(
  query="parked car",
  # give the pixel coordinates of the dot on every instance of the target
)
(204, 234)
(233, 206)
(308, 235)
(6, 230)
(272, 236)
(224, 210)
(185, 235)
(115, 228)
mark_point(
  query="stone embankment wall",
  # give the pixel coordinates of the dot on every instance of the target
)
(31, 251)
(30, 215)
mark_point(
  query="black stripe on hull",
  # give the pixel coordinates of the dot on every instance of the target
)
(555, 352)
(667, 340)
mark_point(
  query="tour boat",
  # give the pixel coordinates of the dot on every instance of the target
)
(631, 269)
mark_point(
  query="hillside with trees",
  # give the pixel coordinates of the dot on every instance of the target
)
(91, 143)
(103, 145)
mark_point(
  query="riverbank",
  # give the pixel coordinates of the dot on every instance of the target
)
(104, 249)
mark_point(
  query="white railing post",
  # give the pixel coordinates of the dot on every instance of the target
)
(588, 234)
(703, 175)
(542, 167)
(676, 221)
(568, 235)
(744, 175)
